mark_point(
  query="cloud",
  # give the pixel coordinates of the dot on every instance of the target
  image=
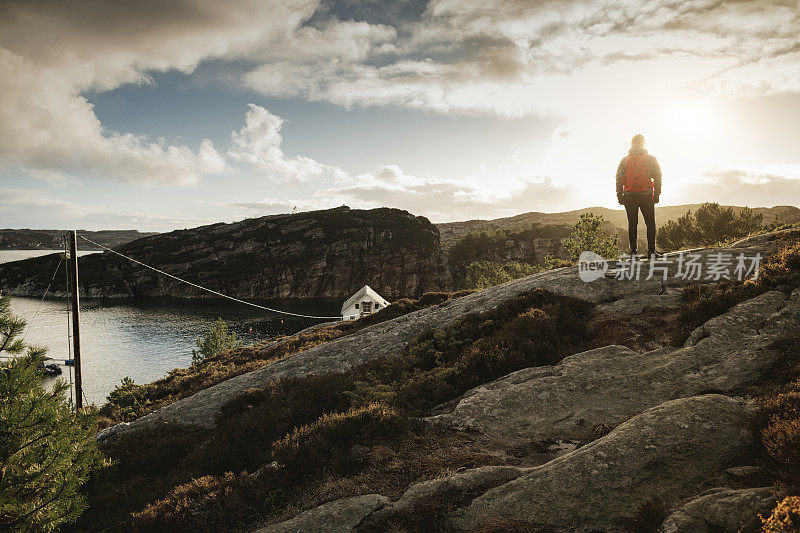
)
(52, 52)
(752, 188)
(258, 144)
(516, 57)
(435, 198)
(55, 213)
(28, 199)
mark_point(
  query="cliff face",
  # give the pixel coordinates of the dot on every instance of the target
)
(319, 254)
(527, 245)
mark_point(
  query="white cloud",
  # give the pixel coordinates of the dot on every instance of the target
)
(435, 198)
(258, 144)
(746, 187)
(516, 57)
(51, 213)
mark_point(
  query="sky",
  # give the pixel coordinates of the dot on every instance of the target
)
(161, 115)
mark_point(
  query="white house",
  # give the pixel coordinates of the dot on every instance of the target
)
(366, 301)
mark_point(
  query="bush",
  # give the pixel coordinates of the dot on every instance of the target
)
(709, 225)
(323, 443)
(47, 451)
(221, 503)
(495, 246)
(214, 342)
(483, 274)
(588, 235)
(248, 425)
(785, 518)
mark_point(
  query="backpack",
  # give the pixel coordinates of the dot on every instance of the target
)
(637, 174)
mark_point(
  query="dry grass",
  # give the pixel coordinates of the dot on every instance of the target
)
(785, 518)
(653, 328)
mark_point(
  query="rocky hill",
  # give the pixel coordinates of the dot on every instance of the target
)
(52, 239)
(612, 438)
(319, 254)
(452, 231)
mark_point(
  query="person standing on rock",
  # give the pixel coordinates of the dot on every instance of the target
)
(639, 188)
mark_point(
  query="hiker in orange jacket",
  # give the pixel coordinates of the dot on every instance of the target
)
(639, 188)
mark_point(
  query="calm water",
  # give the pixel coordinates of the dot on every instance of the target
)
(144, 339)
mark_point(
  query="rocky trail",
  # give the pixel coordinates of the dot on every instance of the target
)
(680, 416)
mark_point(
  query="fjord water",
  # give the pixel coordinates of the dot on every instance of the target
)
(144, 339)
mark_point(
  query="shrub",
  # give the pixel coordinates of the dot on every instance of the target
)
(494, 246)
(142, 468)
(47, 451)
(483, 274)
(323, 443)
(248, 424)
(781, 440)
(220, 503)
(785, 518)
(588, 235)
(709, 225)
(214, 342)
(126, 398)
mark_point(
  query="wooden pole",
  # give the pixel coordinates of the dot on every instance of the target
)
(76, 324)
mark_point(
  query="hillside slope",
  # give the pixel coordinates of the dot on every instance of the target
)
(318, 254)
(612, 433)
(452, 231)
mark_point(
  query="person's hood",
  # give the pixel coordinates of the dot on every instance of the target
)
(635, 151)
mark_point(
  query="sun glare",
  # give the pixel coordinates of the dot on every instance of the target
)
(692, 117)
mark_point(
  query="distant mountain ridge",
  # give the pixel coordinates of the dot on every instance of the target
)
(451, 232)
(51, 239)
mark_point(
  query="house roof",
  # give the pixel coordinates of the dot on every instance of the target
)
(365, 291)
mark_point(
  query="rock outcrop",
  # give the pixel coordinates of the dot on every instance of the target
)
(338, 516)
(665, 454)
(314, 255)
(722, 510)
(394, 335)
(610, 384)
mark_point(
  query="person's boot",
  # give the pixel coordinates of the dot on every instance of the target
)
(634, 256)
(654, 254)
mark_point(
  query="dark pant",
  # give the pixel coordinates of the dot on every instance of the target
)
(633, 203)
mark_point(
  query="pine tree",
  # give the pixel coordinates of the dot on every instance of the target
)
(588, 235)
(213, 342)
(46, 450)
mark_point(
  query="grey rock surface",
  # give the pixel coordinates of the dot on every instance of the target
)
(666, 454)
(394, 335)
(612, 383)
(338, 516)
(722, 510)
(475, 480)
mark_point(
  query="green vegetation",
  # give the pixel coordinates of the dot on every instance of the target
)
(170, 477)
(709, 225)
(495, 245)
(46, 451)
(482, 274)
(703, 302)
(588, 235)
(215, 341)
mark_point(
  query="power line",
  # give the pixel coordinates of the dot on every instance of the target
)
(39, 307)
(204, 288)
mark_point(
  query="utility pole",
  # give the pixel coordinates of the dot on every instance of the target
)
(76, 324)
